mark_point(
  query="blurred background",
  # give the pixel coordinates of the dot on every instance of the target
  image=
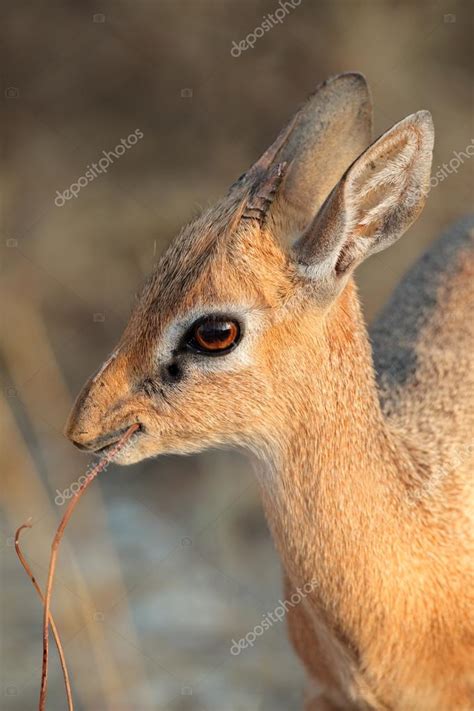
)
(166, 562)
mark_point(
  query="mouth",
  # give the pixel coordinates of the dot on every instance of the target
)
(105, 444)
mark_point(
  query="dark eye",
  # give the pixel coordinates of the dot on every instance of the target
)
(214, 335)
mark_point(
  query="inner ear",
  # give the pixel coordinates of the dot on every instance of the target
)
(378, 184)
(373, 204)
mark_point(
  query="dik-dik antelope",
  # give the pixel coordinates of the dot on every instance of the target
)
(362, 456)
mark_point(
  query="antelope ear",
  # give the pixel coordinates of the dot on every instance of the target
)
(291, 180)
(375, 202)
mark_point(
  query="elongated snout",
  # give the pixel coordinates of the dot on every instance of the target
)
(101, 413)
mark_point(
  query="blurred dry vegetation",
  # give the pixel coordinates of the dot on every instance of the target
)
(167, 561)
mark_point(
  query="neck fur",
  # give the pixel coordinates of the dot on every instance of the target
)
(335, 488)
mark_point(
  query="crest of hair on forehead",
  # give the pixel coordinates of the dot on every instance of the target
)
(243, 210)
(240, 215)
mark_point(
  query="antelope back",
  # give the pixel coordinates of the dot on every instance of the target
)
(423, 343)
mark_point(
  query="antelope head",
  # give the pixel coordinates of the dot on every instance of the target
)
(232, 314)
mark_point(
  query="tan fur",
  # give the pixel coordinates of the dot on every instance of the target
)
(346, 482)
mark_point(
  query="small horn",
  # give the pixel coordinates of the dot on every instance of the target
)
(263, 192)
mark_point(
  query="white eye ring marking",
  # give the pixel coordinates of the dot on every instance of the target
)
(250, 319)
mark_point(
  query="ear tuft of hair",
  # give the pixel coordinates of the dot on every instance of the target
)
(395, 171)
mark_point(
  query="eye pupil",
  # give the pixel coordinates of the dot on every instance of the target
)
(214, 335)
